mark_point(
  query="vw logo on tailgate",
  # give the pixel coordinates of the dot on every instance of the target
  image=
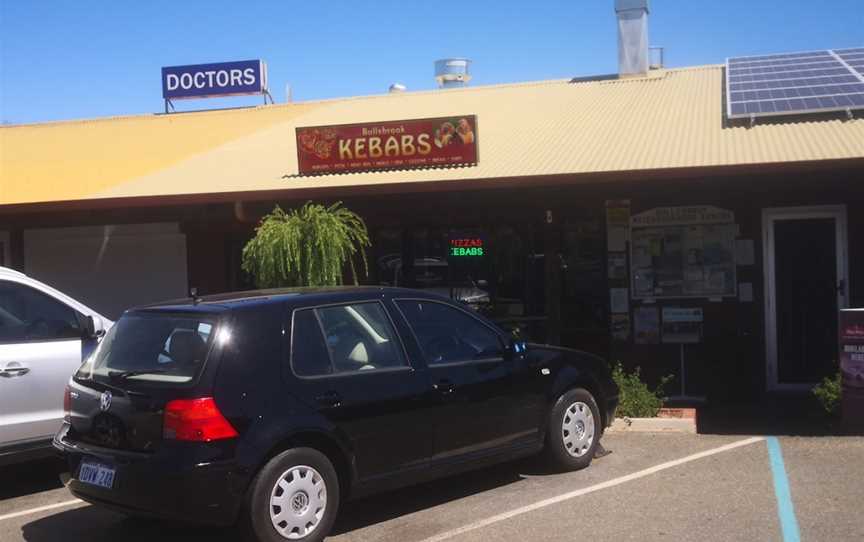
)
(105, 401)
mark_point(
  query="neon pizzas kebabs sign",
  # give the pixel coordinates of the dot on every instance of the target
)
(420, 143)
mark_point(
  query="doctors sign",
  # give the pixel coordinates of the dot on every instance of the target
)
(221, 79)
(437, 142)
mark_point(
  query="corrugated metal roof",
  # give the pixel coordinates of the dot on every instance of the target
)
(668, 119)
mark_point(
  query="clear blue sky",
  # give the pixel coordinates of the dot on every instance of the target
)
(83, 59)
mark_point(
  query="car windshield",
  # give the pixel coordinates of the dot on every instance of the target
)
(156, 348)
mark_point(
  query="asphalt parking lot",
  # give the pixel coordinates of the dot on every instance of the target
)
(652, 487)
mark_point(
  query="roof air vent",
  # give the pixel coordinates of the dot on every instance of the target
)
(452, 72)
(632, 36)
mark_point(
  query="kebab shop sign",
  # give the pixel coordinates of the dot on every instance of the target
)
(447, 141)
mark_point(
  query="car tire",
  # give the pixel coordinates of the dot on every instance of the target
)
(295, 496)
(573, 431)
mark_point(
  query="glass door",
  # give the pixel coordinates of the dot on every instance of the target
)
(806, 285)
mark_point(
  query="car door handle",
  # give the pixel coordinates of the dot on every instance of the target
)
(329, 399)
(14, 369)
(444, 387)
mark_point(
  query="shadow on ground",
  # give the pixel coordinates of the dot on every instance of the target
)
(380, 508)
(94, 524)
(29, 478)
(788, 415)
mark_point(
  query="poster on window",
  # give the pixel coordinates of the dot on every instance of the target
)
(620, 327)
(852, 370)
(619, 300)
(617, 224)
(617, 266)
(646, 325)
(852, 348)
(682, 325)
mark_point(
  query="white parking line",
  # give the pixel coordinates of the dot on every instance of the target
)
(584, 491)
(40, 509)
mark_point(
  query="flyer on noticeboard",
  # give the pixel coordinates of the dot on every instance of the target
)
(682, 325)
(646, 325)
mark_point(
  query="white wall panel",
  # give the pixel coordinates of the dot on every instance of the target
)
(110, 268)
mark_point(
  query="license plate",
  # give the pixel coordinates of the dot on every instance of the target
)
(96, 474)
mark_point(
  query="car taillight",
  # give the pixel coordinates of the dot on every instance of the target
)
(196, 420)
(67, 403)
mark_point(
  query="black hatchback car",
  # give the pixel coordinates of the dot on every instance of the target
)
(273, 407)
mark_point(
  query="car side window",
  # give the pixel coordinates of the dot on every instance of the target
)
(344, 339)
(449, 335)
(27, 315)
(309, 356)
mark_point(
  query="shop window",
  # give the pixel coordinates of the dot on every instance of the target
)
(238, 279)
(388, 256)
(495, 270)
(585, 293)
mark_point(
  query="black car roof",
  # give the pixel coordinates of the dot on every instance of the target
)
(327, 294)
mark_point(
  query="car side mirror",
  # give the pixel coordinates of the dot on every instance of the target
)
(89, 331)
(517, 346)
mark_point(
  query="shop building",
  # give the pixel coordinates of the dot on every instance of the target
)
(628, 216)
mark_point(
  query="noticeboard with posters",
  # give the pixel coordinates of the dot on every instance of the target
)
(683, 252)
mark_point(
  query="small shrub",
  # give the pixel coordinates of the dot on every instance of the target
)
(636, 399)
(828, 394)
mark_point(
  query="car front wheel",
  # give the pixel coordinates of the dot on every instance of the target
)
(294, 497)
(574, 429)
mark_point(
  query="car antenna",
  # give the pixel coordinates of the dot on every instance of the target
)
(193, 293)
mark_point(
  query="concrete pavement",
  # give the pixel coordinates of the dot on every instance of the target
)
(728, 495)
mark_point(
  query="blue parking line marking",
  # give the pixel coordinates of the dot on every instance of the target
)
(785, 508)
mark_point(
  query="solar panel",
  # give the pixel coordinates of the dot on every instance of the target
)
(795, 83)
(854, 58)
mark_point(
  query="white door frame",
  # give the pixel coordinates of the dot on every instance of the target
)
(769, 216)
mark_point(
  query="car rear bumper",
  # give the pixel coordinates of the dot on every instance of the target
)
(172, 484)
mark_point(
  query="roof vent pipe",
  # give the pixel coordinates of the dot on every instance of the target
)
(452, 72)
(632, 36)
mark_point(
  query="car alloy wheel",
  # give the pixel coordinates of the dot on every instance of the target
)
(298, 502)
(577, 429)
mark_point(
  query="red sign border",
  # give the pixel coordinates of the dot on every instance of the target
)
(401, 168)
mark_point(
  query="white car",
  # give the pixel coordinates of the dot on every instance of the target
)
(44, 337)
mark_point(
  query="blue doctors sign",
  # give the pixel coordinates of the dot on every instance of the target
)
(221, 79)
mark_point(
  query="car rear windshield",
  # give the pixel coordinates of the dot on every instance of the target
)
(152, 348)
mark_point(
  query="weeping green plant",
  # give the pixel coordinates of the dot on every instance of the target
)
(306, 247)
